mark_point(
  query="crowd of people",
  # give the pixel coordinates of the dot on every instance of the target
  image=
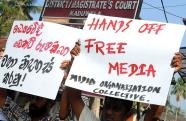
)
(41, 109)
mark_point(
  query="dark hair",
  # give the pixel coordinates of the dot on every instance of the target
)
(126, 104)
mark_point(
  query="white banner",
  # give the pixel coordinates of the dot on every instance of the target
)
(126, 58)
(34, 52)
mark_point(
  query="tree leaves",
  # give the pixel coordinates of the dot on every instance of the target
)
(11, 10)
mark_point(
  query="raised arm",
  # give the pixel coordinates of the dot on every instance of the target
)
(3, 96)
(77, 104)
(64, 106)
(71, 96)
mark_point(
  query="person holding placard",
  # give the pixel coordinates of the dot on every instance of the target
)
(113, 109)
(37, 108)
(120, 108)
(155, 111)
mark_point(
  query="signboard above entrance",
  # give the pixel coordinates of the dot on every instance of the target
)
(74, 12)
(81, 8)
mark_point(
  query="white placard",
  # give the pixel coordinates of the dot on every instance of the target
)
(34, 52)
(126, 58)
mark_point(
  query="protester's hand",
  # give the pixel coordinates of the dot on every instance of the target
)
(177, 61)
(65, 64)
(76, 50)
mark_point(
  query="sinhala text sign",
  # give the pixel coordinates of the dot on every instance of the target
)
(32, 58)
(125, 58)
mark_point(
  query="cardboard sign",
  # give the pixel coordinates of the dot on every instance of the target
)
(126, 58)
(34, 52)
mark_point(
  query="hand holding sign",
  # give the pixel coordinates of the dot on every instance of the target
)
(76, 50)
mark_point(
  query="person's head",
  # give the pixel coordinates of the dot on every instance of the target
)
(39, 106)
(115, 109)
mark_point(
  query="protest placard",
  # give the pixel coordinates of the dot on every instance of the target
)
(126, 58)
(33, 54)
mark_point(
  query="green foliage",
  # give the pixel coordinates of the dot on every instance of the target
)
(179, 89)
(11, 10)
